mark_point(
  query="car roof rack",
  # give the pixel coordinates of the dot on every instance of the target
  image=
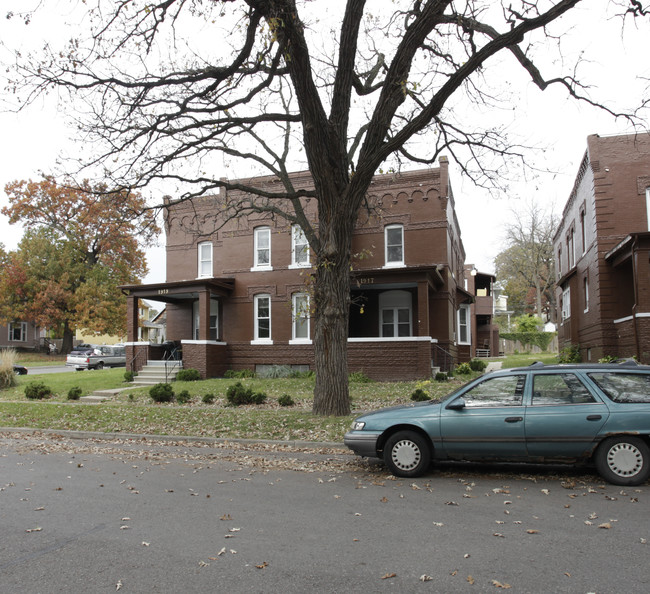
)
(629, 362)
(537, 364)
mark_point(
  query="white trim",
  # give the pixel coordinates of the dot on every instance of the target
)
(141, 343)
(295, 266)
(394, 263)
(300, 341)
(297, 230)
(256, 233)
(200, 261)
(262, 341)
(203, 342)
(647, 206)
(393, 339)
(628, 318)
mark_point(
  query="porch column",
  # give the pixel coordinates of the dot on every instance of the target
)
(132, 306)
(423, 309)
(204, 315)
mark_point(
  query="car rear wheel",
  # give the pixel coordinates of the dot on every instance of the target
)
(99, 365)
(623, 460)
(407, 454)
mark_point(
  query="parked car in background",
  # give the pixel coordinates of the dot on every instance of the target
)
(87, 356)
(20, 370)
(559, 413)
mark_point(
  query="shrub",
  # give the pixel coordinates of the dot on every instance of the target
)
(128, 376)
(239, 373)
(569, 354)
(463, 369)
(441, 376)
(285, 400)
(161, 393)
(183, 397)
(237, 394)
(608, 359)
(37, 391)
(208, 398)
(420, 395)
(7, 375)
(308, 374)
(359, 377)
(478, 365)
(74, 393)
(188, 375)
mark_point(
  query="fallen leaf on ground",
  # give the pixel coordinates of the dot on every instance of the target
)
(388, 576)
(605, 525)
(262, 565)
(500, 585)
(425, 578)
(470, 579)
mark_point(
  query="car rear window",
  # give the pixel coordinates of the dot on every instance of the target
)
(623, 387)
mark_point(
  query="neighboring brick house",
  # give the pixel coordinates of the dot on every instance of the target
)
(602, 251)
(237, 294)
(20, 336)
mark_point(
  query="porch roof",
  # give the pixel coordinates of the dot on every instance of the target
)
(624, 249)
(174, 292)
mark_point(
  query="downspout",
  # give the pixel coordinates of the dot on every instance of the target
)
(636, 298)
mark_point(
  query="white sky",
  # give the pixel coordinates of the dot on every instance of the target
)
(32, 139)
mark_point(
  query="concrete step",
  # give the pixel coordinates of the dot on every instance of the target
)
(154, 373)
(100, 395)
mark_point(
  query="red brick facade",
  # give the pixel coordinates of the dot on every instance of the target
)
(602, 250)
(235, 289)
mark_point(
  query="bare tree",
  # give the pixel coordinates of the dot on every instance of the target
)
(526, 265)
(392, 83)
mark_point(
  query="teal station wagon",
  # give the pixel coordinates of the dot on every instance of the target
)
(557, 413)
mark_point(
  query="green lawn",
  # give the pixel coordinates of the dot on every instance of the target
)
(133, 411)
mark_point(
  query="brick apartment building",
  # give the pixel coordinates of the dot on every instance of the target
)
(602, 251)
(237, 293)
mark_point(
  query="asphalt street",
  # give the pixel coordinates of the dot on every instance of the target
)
(151, 516)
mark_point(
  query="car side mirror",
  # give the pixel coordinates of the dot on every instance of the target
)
(458, 404)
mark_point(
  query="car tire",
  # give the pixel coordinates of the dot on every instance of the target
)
(407, 454)
(623, 460)
(99, 365)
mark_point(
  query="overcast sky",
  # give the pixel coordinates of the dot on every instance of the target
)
(33, 139)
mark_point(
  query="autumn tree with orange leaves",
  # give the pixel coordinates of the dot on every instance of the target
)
(81, 242)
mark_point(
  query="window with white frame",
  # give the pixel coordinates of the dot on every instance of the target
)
(213, 331)
(566, 304)
(299, 247)
(17, 332)
(559, 261)
(585, 292)
(262, 304)
(464, 329)
(262, 247)
(300, 317)
(394, 245)
(205, 259)
(571, 248)
(395, 311)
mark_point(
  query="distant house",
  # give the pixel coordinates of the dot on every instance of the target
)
(237, 292)
(602, 251)
(21, 336)
(484, 333)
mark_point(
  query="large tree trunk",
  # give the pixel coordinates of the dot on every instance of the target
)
(68, 336)
(332, 303)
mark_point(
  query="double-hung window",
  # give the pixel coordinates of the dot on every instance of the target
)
(463, 325)
(394, 245)
(300, 317)
(205, 259)
(17, 332)
(262, 304)
(299, 247)
(262, 248)
(566, 304)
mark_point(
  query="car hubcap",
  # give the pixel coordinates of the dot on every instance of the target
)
(624, 459)
(406, 455)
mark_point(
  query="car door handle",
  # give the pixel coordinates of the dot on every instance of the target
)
(514, 419)
(594, 417)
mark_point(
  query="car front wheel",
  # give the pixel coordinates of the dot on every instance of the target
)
(407, 454)
(623, 460)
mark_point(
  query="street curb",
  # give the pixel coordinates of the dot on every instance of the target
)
(144, 437)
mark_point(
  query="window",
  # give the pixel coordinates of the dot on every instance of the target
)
(583, 233)
(585, 292)
(566, 304)
(571, 248)
(205, 259)
(299, 247)
(464, 336)
(213, 332)
(623, 387)
(262, 257)
(300, 317)
(395, 314)
(559, 388)
(263, 318)
(498, 391)
(394, 241)
(559, 261)
(18, 332)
